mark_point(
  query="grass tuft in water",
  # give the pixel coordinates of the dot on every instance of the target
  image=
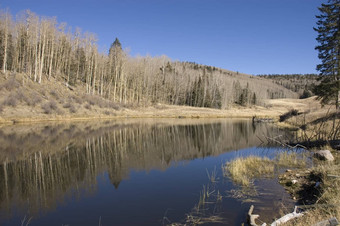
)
(243, 170)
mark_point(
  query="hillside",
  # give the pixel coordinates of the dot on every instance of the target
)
(47, 71)
(300, 83)
(23, 100)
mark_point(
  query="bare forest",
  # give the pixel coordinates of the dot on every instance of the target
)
(41, 50)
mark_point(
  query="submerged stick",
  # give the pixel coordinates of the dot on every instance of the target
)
(284, 219)
(287, 217)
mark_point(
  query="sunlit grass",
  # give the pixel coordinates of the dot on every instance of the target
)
(243, 170)
(328, 204)
(290, 159)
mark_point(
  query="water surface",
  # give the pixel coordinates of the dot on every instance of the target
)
(129, 172)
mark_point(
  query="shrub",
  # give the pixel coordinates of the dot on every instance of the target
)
(50, 107)
(77, 99)
(67, 105)
(289, 114)
(10, 101)
(10, 84)
(101, 102)
(88, 106)
(20, 96)
(73, 109)
(306, 94)
(90, 99)
(34, 100)
(54, 94)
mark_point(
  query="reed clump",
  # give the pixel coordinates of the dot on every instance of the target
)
(291, 159)
(244, 170)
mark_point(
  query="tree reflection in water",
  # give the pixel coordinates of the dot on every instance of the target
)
(43, 165)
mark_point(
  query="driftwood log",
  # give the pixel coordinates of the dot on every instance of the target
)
(252, 217)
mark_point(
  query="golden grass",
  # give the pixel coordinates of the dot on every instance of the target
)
(243, 170)
(290, 159)
(328, 204)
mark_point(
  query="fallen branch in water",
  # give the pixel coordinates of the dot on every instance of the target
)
(287, 217)
(284, 144)
(252, 217)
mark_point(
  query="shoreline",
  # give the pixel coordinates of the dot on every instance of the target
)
(203, 113)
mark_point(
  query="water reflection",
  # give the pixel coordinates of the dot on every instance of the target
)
(43, 165)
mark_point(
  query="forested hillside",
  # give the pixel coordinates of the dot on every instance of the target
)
(42, 50)
(302, 84)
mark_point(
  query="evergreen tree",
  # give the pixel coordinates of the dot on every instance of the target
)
(115, 46)
(329, 52)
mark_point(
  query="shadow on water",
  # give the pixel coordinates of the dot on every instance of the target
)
(45, 169)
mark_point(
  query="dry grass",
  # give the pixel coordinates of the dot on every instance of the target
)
(290, 159)
(243, 170)
(32, 96)
(328, 203)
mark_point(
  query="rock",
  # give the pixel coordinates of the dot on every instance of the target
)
(324, 155)
(288, 170)
(330, 222)
(294, 181)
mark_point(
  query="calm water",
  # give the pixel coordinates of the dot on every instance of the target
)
(130, 172)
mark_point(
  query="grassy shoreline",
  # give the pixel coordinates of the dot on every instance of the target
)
(272, 109)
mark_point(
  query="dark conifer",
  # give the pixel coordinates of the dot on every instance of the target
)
(328, 26)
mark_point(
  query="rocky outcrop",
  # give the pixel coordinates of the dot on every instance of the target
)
(324, 155)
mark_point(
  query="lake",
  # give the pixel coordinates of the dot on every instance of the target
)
(132, 172)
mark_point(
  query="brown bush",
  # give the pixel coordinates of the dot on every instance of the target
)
(289, 114)
(55, 94)
(10, 100)
(67, 105)
(100, 102)
(88, 106)
(20, 96)
(10, 84)
(35, 99)
(73, 109)
(77, 99)
(50, 107)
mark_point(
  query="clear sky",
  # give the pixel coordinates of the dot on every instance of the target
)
(249, 36)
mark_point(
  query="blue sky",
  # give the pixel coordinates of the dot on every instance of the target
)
(249, 36)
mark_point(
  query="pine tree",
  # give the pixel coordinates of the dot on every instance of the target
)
(329, 52)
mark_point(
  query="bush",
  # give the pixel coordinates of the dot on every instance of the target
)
(34, 100)
(50, 107)
(77, 99)
(55, 94)
(10, 84)
(67, 105)
(99, 101)
(289, 114)
(306, 94)
(88, 106)
(20, 96)
(10, 101)
(73, 109)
